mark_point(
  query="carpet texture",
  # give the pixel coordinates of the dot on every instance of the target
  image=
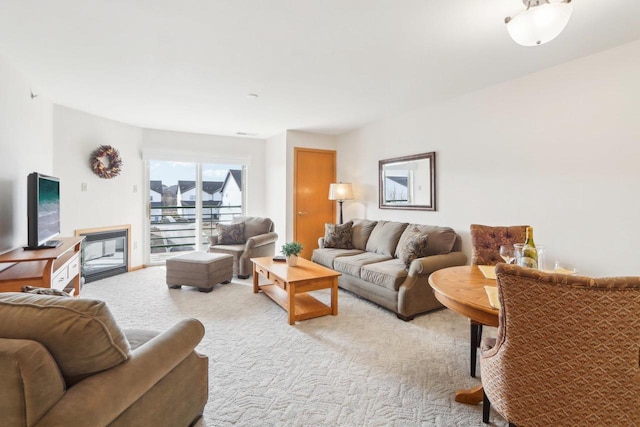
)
(363, 367)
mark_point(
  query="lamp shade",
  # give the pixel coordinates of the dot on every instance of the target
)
(539, 24)
(341, 191)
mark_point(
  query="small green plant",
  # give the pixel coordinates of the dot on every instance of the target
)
(292, 248)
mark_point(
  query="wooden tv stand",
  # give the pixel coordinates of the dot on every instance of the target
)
(57, 268)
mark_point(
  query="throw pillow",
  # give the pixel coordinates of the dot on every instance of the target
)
(415, 247)
(230, 234)
(338, 236)
(44, 291)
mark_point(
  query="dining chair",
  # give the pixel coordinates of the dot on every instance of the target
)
(567, 350)
(485, 250)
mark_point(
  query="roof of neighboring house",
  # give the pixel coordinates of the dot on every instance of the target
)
(156, 186)
(207, 186)
(186, 186)
(402, 180)
(212, 186)
(156, 204)
(236, 175)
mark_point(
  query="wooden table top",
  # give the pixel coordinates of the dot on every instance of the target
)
(305, 269)
(461, 289)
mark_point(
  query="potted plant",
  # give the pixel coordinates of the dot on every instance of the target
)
(291, 251)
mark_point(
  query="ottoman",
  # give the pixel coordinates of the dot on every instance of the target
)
(200, 269)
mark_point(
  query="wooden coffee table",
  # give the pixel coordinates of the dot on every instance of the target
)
(288, 286)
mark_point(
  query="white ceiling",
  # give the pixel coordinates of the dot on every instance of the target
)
(323, 66)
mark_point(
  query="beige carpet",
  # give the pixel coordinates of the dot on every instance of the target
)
(363, 367)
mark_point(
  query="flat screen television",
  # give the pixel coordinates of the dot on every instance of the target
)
(43, 211)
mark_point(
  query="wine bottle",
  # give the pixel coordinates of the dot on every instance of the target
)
(529, 252)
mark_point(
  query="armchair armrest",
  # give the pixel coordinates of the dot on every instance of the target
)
(432, 263)
(98, 399)
(261, 240)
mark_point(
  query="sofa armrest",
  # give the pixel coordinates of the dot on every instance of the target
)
(100, 398)
(213, 240)
(432, 263)
(321, 243)
(261, 240)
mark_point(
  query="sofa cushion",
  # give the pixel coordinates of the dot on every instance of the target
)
(362, 229)
(81, 334)
(326, 256)
(384, 237)
(351, 265)
(230, 234)
(413, 244)
(388, 274)
(254, 225)
(338, 236)
(441, 239)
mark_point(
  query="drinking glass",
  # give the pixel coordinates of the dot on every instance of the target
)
(507, 253)
(564, 268)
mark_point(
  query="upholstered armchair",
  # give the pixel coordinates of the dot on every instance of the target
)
(485, 250)
(486, 241)
(66, 362)
(567, 350)
(245, 238)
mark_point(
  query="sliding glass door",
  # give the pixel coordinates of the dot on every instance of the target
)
(186, 201)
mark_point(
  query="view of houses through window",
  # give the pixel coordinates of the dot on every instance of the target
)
(187, 200)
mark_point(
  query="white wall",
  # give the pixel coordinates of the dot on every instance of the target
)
(122, 200)
(106, 202)
(26, 146)
(558, 149)
(276, 185)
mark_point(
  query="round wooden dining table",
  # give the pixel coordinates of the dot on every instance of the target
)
(461, 289)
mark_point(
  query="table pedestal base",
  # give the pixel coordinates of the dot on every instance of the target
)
(472, 396)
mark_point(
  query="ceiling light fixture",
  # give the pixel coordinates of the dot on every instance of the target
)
(540, 23)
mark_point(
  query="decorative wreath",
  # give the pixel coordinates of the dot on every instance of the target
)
(109, 168)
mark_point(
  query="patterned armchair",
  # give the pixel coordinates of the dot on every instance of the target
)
(485, 250)
(486, 241)
(567, 350)
(245, 238)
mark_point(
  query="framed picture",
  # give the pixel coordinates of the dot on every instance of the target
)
(408, 182)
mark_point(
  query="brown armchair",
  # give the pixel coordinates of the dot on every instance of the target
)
(258, 239)
(485, 250)
(567, 350)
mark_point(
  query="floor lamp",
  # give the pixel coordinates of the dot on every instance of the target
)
(341, 191)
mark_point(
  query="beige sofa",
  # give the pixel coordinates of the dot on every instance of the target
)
(373, 268)
(65, 362)
(250, 237)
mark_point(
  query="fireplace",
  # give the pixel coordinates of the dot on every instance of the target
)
(105, 252)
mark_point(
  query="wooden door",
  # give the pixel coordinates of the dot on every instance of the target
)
(313, 171)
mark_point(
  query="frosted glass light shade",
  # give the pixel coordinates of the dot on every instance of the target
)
(341, 191)
(539, 24)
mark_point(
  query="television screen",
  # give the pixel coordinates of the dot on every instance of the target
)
(43, 209)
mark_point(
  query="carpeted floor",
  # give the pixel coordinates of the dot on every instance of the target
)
(363, 367)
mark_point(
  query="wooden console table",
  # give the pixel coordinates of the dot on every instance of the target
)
(57, 268)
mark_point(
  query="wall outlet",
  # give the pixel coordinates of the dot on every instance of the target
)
(83, 186)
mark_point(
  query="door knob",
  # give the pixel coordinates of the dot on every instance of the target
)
(302, 213)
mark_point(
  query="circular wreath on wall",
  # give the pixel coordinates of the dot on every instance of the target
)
(106, 162)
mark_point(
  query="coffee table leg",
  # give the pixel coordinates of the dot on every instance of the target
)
(334, 297)
(291, 292)
(255, 280)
